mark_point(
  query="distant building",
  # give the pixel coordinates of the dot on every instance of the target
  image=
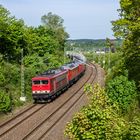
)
(98, 51)
(105, 50)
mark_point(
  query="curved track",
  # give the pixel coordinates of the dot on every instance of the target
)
(8, 126)
(32, 134)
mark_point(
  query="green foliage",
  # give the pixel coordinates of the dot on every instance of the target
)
(49, 38)
(42, 47)
(88, 88)
(10, 84)
(117, 69)
(52, 20)
(96, 121)
(108, 60)
(11, 35)
(128, 27)
(9, 75)
(109, 43)
(101, 118)
(122, 92)
(55, 23)
(134, 129)
(5, 102)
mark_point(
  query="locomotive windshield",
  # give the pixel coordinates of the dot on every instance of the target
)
(44, 81)
(40, 82)
(36, 82)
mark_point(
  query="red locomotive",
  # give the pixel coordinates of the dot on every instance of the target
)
(51, 83)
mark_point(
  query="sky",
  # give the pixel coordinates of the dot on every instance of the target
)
(83, 19)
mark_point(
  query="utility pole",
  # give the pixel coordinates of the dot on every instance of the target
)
(64, 54)
(73, 52)
(93, 55)
(99, 57)
(104, 59)
(109, 62)
(22, 98)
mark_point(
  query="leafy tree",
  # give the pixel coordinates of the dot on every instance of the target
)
(52, 21)
(128, 28)
(47, 41)
(55, 24)
(42, 45)
(11, 36)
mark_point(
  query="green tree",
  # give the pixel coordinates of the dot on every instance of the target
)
(46, 41)
(55, 24)
(11, 36)
(128, 28)
(52, 21)
(108, 43)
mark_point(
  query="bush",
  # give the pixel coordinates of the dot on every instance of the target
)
(96, 121)
(133, 129)
(122, 92)
(5, 102)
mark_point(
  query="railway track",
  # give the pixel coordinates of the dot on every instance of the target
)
(19, 118)
(5, 128)
(39, 129)
(57, 129)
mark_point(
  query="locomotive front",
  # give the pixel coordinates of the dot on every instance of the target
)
(40, 88)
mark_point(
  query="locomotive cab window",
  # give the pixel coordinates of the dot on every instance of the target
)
(45, 82)
(36, 82)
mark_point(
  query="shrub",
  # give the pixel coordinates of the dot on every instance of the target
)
(96, 121)
(133, 132)
(5, 102)
(122, 92)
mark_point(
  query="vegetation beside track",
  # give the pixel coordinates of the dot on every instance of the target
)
(113, 111)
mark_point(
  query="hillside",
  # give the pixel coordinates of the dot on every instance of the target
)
(91, 44)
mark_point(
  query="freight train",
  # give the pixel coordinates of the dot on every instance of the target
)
(51, 83)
